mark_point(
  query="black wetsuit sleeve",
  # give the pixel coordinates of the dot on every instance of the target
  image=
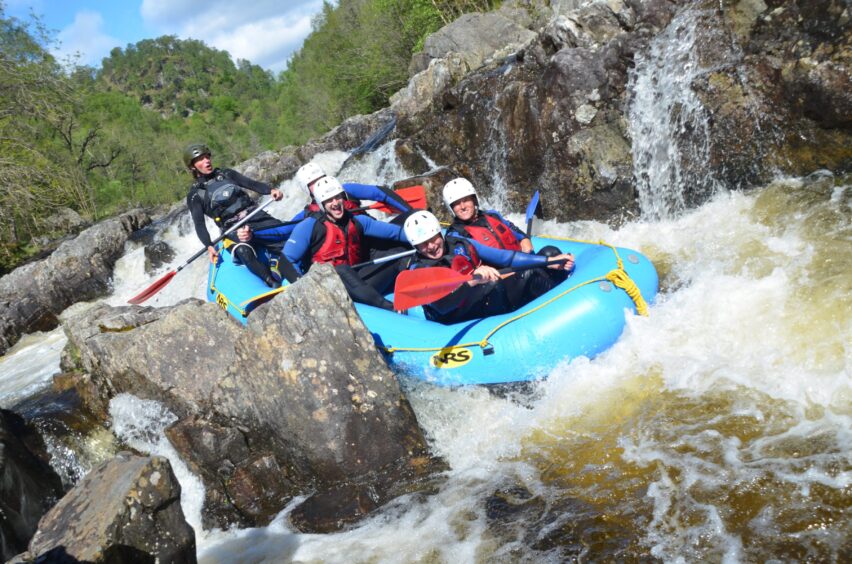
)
(196, 211)
(246, 182)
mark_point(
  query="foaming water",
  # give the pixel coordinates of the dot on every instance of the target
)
(717, 428)
(141, 424)
(28, 366)
(669, 124)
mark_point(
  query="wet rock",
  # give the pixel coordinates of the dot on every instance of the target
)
(260, 488)
(157, 254)
(240, 488)
(434, 183)
(80, 269)
(29, 486)
(75, 440)
(126, 510)
(304, 385)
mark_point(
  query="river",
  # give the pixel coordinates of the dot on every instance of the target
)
(718, 428)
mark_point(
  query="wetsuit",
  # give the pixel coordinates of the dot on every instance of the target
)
(220, 195)
(343, 243)
(493, 298)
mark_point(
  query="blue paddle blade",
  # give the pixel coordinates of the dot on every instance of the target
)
(533, 209)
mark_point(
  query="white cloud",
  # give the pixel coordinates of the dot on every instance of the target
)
(266, 32)
(86, 37)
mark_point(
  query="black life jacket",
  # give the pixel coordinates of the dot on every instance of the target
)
(488, 230)
(222, 199)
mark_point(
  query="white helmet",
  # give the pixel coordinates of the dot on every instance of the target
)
(309, 173)
(456, 189)
(420, 227)
(326, 188)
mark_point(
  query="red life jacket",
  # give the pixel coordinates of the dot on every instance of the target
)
(339, 247)
(496, 234)
(348, 204)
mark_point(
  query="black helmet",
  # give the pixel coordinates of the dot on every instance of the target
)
(194, 151)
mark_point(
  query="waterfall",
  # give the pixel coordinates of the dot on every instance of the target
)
(668, 123)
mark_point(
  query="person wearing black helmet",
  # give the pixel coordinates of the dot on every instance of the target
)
(220, 195)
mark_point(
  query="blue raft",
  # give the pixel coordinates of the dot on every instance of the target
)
(583, 316)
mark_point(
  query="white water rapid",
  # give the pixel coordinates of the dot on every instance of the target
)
(719, 428)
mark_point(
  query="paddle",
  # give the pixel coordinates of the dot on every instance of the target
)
(415, 196)
(165, 279)
(426, 285)
(533, 210)
(387, 258)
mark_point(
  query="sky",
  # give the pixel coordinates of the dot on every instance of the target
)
(265, 32)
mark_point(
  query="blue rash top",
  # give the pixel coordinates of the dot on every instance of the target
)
(299, 244)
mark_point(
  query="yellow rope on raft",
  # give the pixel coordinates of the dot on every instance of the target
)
(621, 280)
(618, 277)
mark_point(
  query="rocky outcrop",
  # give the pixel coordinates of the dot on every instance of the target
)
(299, 402)
(274, 167)
(551, 112)
(126, 510)
(28, 485)
(80, 269)
(537, 96)
(475, 38)
(549, 117)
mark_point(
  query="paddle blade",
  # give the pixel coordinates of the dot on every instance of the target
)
(425, 285)
(533, 210)
(152, 289)
(414, 196)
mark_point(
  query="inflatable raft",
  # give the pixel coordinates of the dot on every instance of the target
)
(583, 316)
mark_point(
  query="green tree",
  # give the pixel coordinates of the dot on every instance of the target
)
(34, 97)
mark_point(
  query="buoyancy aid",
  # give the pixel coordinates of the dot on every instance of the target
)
(222, 199)
(339, 246)
(493, 233)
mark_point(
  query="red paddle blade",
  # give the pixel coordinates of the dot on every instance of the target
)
(415, 196)
(152, 289)
(425, 285)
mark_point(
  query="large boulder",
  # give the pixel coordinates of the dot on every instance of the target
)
(474, 38)
(125, 510)
(80, 269)
(300, 401)
(28, 485)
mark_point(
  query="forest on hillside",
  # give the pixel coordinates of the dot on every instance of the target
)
(102, 140)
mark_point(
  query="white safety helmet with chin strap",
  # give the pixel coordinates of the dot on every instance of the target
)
(326, 188)
(309, 173)
(421, 226)
(456, 189)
